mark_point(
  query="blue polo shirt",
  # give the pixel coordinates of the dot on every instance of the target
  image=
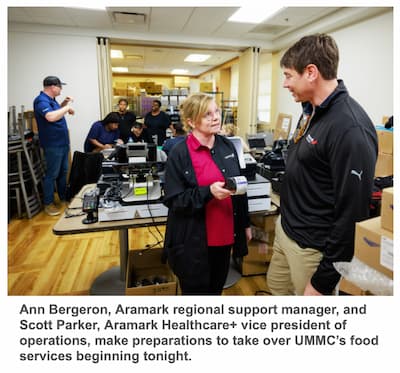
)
(99, 133)
(51, 134)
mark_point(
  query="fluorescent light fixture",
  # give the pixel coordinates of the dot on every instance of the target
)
(115, 53)
(93, 7)
(197, 57)
(119, 69)
(179, 71)
(254, 14)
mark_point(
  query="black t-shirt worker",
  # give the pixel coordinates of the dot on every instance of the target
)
(157, 122)
(126, 120)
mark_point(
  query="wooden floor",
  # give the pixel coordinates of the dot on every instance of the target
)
(41, 263)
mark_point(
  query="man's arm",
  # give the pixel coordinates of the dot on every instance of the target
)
(54, 116)
(353, 158)
(67, 101)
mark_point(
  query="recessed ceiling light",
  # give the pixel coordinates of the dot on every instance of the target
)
(135, 57)
(252, 14)
(115, 53)
(179, 71)
(197, 57)
(119, 69)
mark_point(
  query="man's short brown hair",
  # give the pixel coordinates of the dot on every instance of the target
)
(318, 49)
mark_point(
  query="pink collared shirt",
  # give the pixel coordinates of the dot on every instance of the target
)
(219, 213)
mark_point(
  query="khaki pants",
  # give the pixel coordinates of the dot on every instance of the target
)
(291, 266)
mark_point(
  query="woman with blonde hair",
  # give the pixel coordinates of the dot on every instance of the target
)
(205, 220)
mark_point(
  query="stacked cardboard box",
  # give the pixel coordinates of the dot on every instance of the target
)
(387, 209)
(384, 164)
(154, 90)
(374, 245)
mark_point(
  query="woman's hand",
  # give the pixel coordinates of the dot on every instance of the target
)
(249, 235)
(218, 191)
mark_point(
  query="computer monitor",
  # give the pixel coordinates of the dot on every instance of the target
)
(256, 142)
(136, 149)
(260, 140)
(237, 142)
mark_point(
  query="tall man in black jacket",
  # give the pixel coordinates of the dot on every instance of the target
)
(329, 173)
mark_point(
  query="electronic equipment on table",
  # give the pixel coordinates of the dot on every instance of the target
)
(247, 163)
(130, 183)
(130, 186)
(90, 205)
(258, 193)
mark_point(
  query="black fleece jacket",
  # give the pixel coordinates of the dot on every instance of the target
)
(185, 244)
(328, 183)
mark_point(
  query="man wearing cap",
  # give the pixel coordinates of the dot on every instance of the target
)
(140, 134)
(54, 139)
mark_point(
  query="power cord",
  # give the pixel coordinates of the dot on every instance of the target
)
(159, 241)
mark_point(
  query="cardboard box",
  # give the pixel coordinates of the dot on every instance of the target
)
(282, 127)
(119, 92)
(387, 209)
(206, 86)
(349, 288)
(147, 85)
(374, 245)
(384, 165)
(385, 141)
(154, 90)
(146, 265)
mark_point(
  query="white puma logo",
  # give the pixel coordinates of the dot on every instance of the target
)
(358, 174)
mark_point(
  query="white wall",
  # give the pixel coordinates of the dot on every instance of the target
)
(32, 56)
(365, 65)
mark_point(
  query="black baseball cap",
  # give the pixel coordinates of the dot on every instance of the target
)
(52, 80)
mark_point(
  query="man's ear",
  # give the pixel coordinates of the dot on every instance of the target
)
(312, 72)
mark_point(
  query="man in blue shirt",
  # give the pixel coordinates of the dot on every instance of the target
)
(103, 134)
(54, 139)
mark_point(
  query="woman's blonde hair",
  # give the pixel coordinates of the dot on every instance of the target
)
(229, 129)
(193, 108)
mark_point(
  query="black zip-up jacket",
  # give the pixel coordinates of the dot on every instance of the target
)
(185, 244)
(328, 183)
